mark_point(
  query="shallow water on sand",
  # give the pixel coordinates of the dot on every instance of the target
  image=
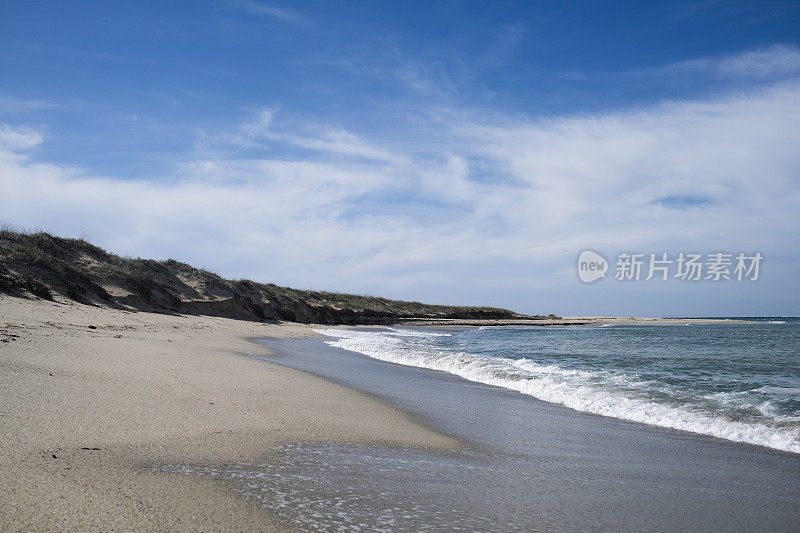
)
(532, 465)
(322, 487)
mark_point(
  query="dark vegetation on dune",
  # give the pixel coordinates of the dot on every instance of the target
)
(43, 265)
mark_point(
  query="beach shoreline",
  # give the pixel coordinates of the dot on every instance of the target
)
(95, 397)
(98, 401)
(561, 321)
(546, 463)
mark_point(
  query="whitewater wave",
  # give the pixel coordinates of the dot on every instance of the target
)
(582, 390)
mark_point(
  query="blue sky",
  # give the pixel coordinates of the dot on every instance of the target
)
(454, 152)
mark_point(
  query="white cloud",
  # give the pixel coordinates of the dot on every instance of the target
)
(776, 60)
(14, 139)
(594, 179)
(360, 217)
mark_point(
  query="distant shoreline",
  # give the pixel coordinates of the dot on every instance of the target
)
(565, 321)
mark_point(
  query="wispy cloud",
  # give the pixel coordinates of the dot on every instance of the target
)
(505, 44)
(257, 131)
(752, 11)
(256, 8)
(776, 61)
(250, 134)
(10, 104)
(338, 141)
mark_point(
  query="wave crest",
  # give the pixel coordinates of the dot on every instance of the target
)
(577, 389)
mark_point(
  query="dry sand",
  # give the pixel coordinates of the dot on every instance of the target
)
(86, 410)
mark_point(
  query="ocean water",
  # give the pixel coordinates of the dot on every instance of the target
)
(529, 465)
(734, 381)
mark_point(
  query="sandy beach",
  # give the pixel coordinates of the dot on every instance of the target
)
(94, 397)
(106, 411)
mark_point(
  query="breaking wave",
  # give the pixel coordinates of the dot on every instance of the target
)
(609, 393)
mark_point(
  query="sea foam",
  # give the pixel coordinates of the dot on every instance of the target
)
(582, 390)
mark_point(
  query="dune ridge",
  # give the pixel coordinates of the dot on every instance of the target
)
(47, 266)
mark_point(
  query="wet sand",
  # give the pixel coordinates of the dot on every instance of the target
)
(532, 465)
